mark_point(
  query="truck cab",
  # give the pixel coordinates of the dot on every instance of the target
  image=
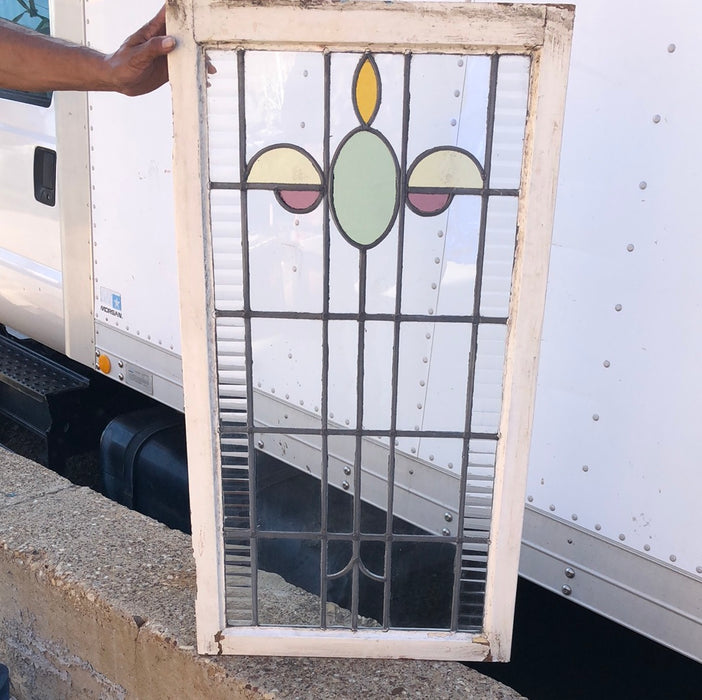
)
(31, 294)
(88, 264)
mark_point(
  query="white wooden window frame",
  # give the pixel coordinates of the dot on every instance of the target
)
(542, 31)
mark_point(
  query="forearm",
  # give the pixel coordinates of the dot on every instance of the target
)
(37, 63)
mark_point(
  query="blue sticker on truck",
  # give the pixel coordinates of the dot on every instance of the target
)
(110, 302)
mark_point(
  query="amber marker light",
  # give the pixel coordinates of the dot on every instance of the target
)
(104, 364)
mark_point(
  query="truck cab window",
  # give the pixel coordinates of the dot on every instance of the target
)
(33, 14)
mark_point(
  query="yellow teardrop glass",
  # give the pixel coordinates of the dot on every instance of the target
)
(367, 90)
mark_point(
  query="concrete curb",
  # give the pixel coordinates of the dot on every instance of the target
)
(98, 602)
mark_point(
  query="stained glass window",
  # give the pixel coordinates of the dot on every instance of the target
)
(363, 261)
(359, 346)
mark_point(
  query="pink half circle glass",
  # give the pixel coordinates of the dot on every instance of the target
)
(429, 203)
(299, 200)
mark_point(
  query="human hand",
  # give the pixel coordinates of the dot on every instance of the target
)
(139, 65)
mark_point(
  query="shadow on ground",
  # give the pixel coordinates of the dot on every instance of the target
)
(562, 651)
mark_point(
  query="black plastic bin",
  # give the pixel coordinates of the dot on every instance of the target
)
(4, 683)
(144, 466)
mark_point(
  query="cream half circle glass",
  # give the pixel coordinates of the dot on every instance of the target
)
(437, 175)
(291, 173)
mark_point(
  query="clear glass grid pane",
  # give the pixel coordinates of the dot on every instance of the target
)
(377, 380)
(343, 373)
(284, 100)
(447, 383)
(460, 257)
(287, 380)
(285, 256)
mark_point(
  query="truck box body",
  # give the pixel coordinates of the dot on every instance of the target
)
(612, 516)
(613, 484)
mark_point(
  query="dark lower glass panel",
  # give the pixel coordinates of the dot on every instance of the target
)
(287, 499)
(288, 589)
(422, 584)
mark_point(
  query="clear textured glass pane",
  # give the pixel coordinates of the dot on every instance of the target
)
(476, 532)
(342, 117)
(231, 371)
(236, 482)
(388, 119)
(225, 216)
(478, 497)
(374, 487)
(450, 97)
(489, 368)
(238, 572)
(237, 501)
(223, 117)
(349, 572)
(440, 257)
(434, 362)
(474, 104)
(500, 241)
(481, 466)
(343, 469)
(339, 583)
(445, 454)
(371, 584)
(472, 585)
(510, 118)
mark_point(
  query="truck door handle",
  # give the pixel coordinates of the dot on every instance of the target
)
(45, 176)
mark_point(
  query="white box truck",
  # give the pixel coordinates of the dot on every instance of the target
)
(612, 515)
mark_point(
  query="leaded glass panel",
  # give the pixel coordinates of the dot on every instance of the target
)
(362, 277)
